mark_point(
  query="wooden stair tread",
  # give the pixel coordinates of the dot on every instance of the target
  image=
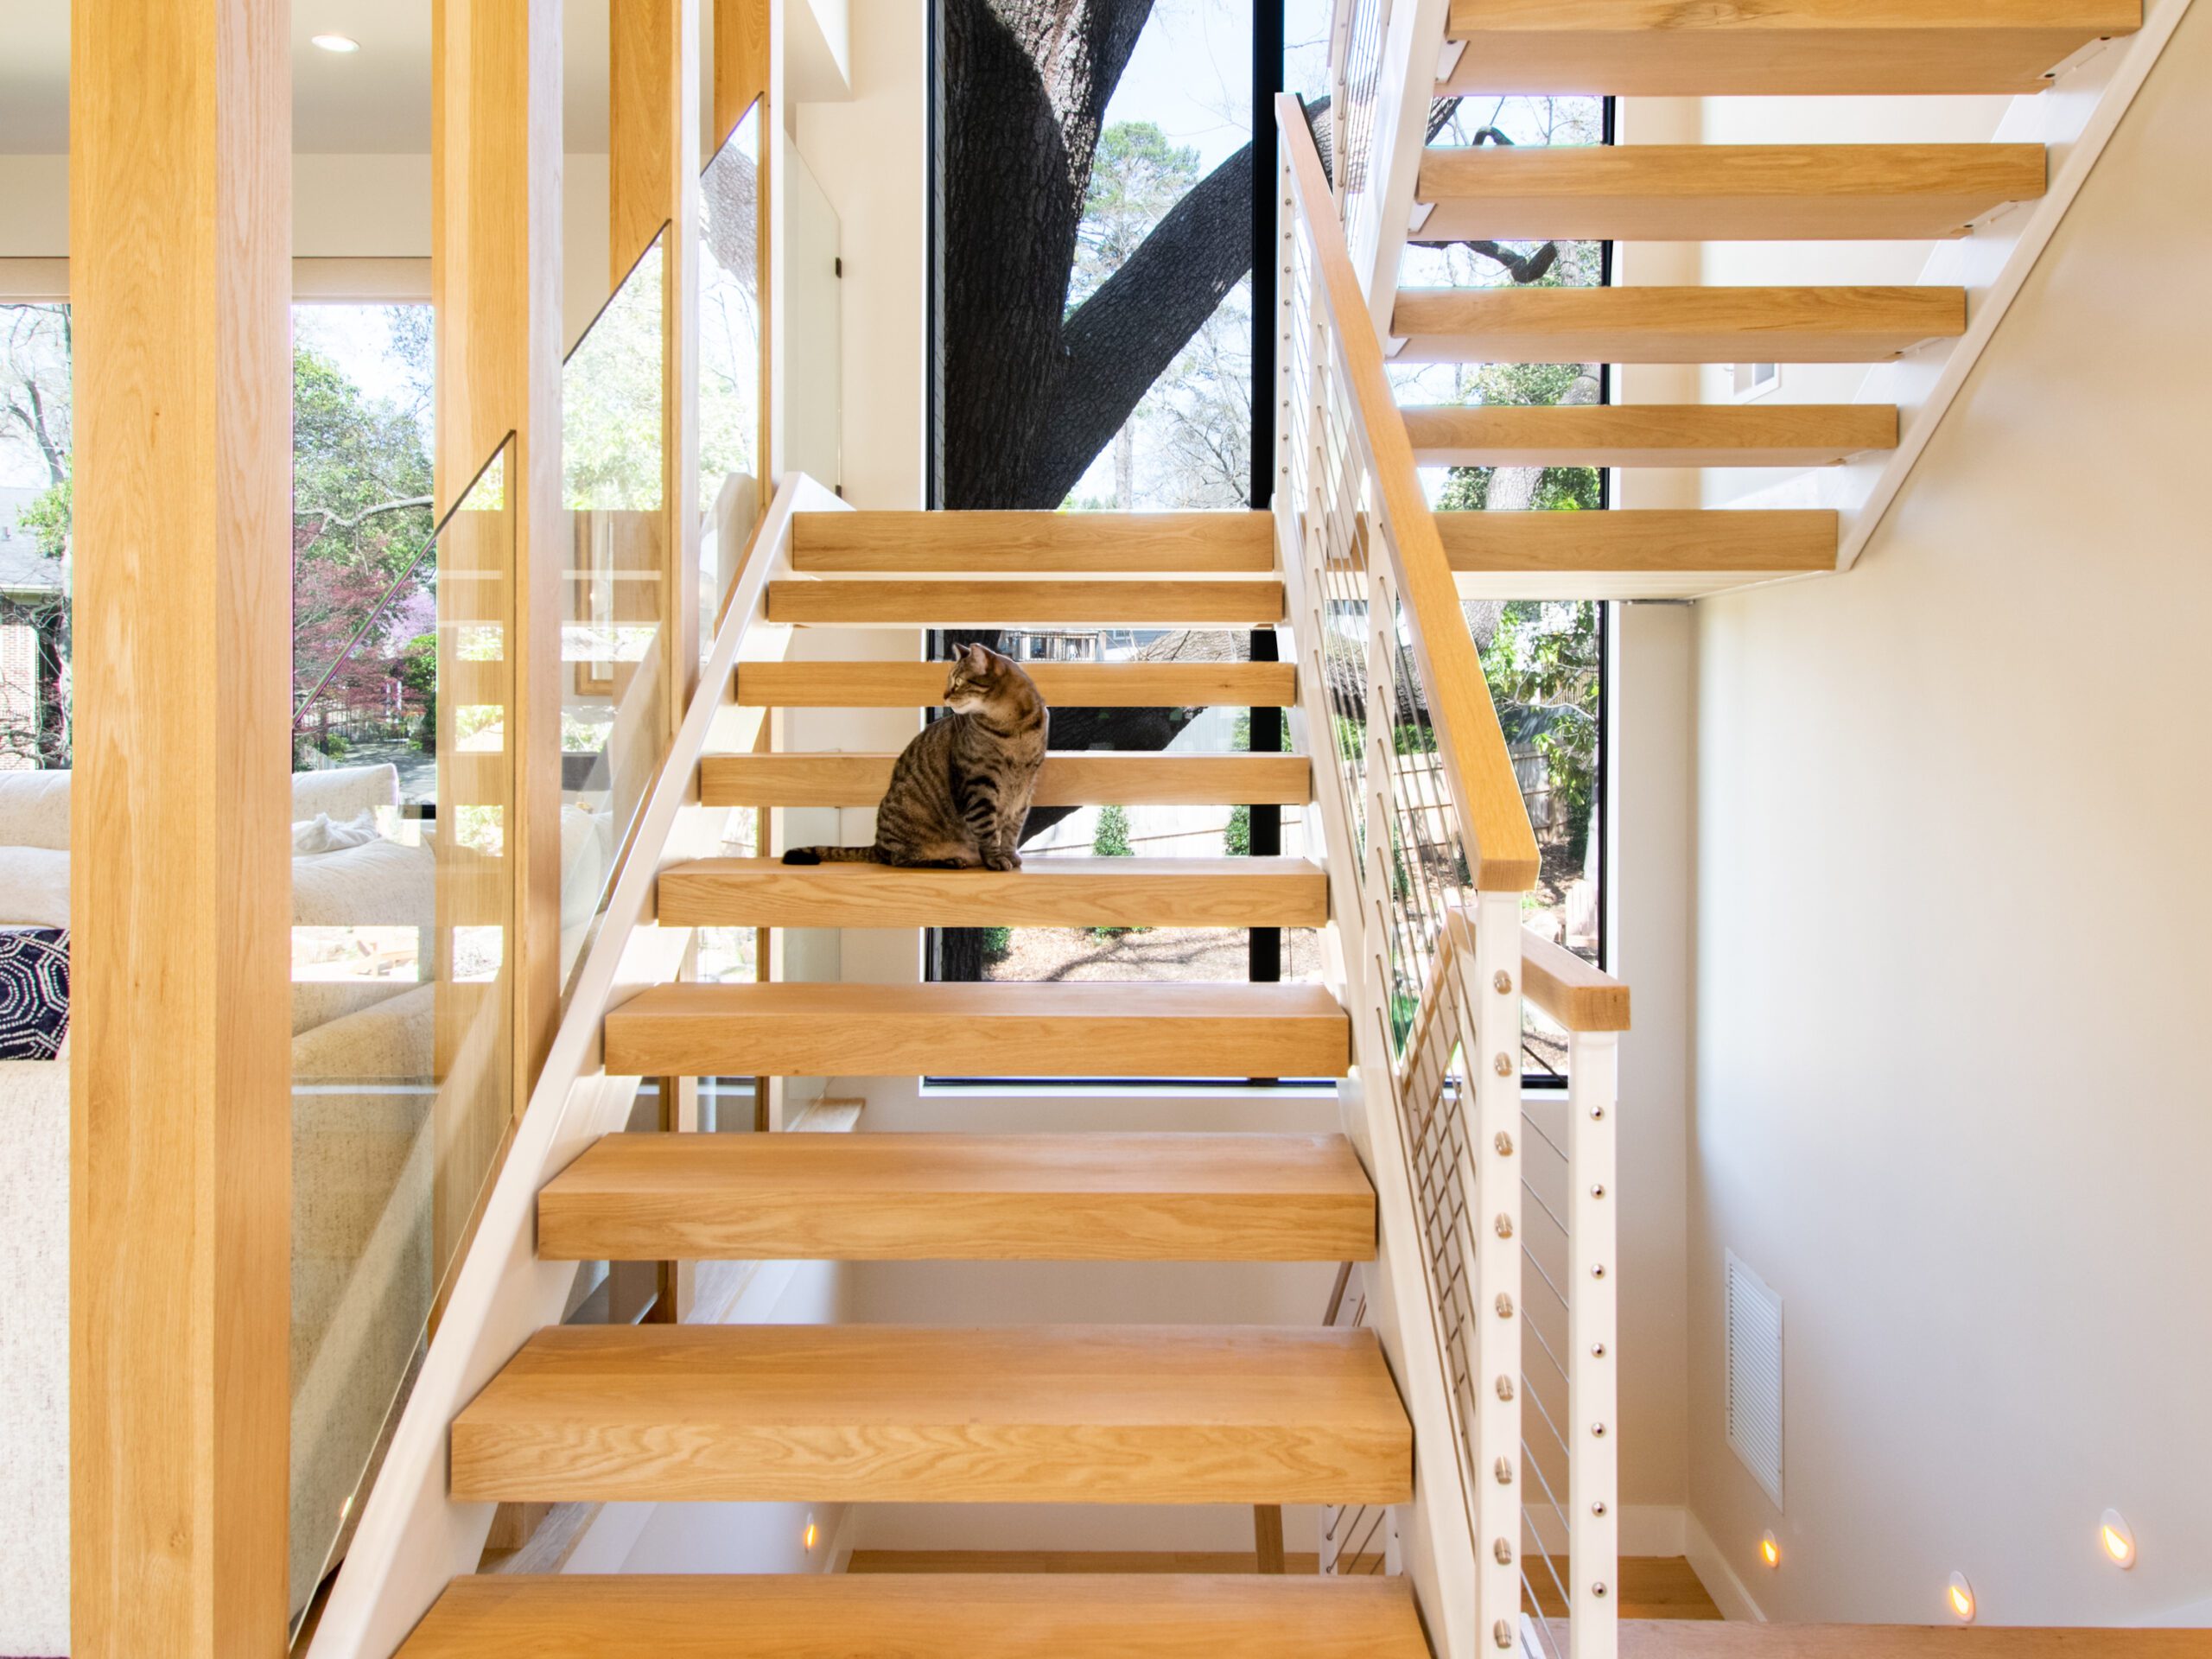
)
(1763, 434)
(946, 1414)
(1664, 49)
(980, 602)
(1632, 553)
(1673, 325)
(918, 1615)
(1045, 893)
(1067, 685)
(1120, 1029)
(1034, 543)
(1080, 778)
(1056, 1197)
(1722, 193)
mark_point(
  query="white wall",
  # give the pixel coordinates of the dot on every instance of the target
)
(1950, 1094)
(870, 154)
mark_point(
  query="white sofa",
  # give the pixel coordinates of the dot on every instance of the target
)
(362, 1060)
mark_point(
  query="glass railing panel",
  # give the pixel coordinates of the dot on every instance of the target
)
(615, 678)
(403, 1074)
(731, 395)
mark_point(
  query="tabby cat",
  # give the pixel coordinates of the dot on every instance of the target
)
(960, 792)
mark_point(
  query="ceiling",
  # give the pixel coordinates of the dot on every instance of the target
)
(376, 101)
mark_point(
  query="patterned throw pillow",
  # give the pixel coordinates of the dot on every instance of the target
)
(33, 992)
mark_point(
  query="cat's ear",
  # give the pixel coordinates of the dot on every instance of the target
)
(977, 657)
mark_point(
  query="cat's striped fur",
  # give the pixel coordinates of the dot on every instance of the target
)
(960, 792)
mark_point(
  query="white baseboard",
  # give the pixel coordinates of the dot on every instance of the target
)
(1718, 1575)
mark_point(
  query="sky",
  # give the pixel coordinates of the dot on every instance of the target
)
(1191, 71)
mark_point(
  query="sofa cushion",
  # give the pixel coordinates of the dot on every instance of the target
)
(34, 809)
(33, 886)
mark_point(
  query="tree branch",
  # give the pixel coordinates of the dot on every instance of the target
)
(1124, 336)
(330, 517)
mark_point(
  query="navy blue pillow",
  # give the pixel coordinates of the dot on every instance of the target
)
(33, 992)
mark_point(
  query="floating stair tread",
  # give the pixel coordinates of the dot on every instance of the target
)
(1649, 435)
(980, 602)
(1640, 540)
(1722, 193)
(1044, 1197)
(919, 1616)
(1045, 893)
(1121, 1029)
(1664, 48)
(1080, 777)
(1673, 325)
(1066, 685)
(864, 1413)
(1034, 543)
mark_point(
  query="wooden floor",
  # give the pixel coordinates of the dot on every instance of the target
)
(1651, 1586)
(1654, 1639)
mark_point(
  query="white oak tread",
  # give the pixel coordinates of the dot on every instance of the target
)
(1673, 325)
(1034, 543)
(1045, 893)
(954, 601)
(920, 1616)
(1736, 543)
(1723, 192)
(1066, 685)
(825, 1414)
(1080, 778)
(1075, 1197)
(1763, 434)
(1664, 49)
(1118, 1029)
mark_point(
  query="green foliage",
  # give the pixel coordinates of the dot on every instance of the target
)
(1543, 665)
(1237, 839)
(1558, 489)
(998, 944)
(47, 518)
(1135, 177)
(1111, 838)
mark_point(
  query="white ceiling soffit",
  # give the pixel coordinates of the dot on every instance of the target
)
(373, 102)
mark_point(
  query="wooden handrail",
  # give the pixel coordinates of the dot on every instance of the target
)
(1500, 846)
(1569, 990)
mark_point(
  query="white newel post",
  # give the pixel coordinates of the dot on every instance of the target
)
(1592, 1395)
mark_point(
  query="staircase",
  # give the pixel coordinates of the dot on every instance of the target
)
(1402, 1418)
(1248, 1415)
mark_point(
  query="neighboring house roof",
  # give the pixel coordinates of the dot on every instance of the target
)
(25, 570)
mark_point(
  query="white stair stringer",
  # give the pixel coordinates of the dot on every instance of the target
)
(413, 1539)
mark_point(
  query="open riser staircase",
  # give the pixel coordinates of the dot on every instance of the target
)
(1407, 1408)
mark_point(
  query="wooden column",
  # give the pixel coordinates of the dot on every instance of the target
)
(653, 182)
(653, 190)
(495, 142)
(181, 1143)
(742, 59)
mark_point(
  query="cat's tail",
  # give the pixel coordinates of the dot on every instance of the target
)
(833, 856)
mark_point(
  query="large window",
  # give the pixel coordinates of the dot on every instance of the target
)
(34, 450)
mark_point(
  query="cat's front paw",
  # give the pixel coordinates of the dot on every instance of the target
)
(1001, 860)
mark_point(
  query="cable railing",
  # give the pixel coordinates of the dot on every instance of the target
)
(1570, 1521)
(1431, 851)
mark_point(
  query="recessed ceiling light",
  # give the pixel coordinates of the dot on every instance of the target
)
(1770, 1549)
(337, 42)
